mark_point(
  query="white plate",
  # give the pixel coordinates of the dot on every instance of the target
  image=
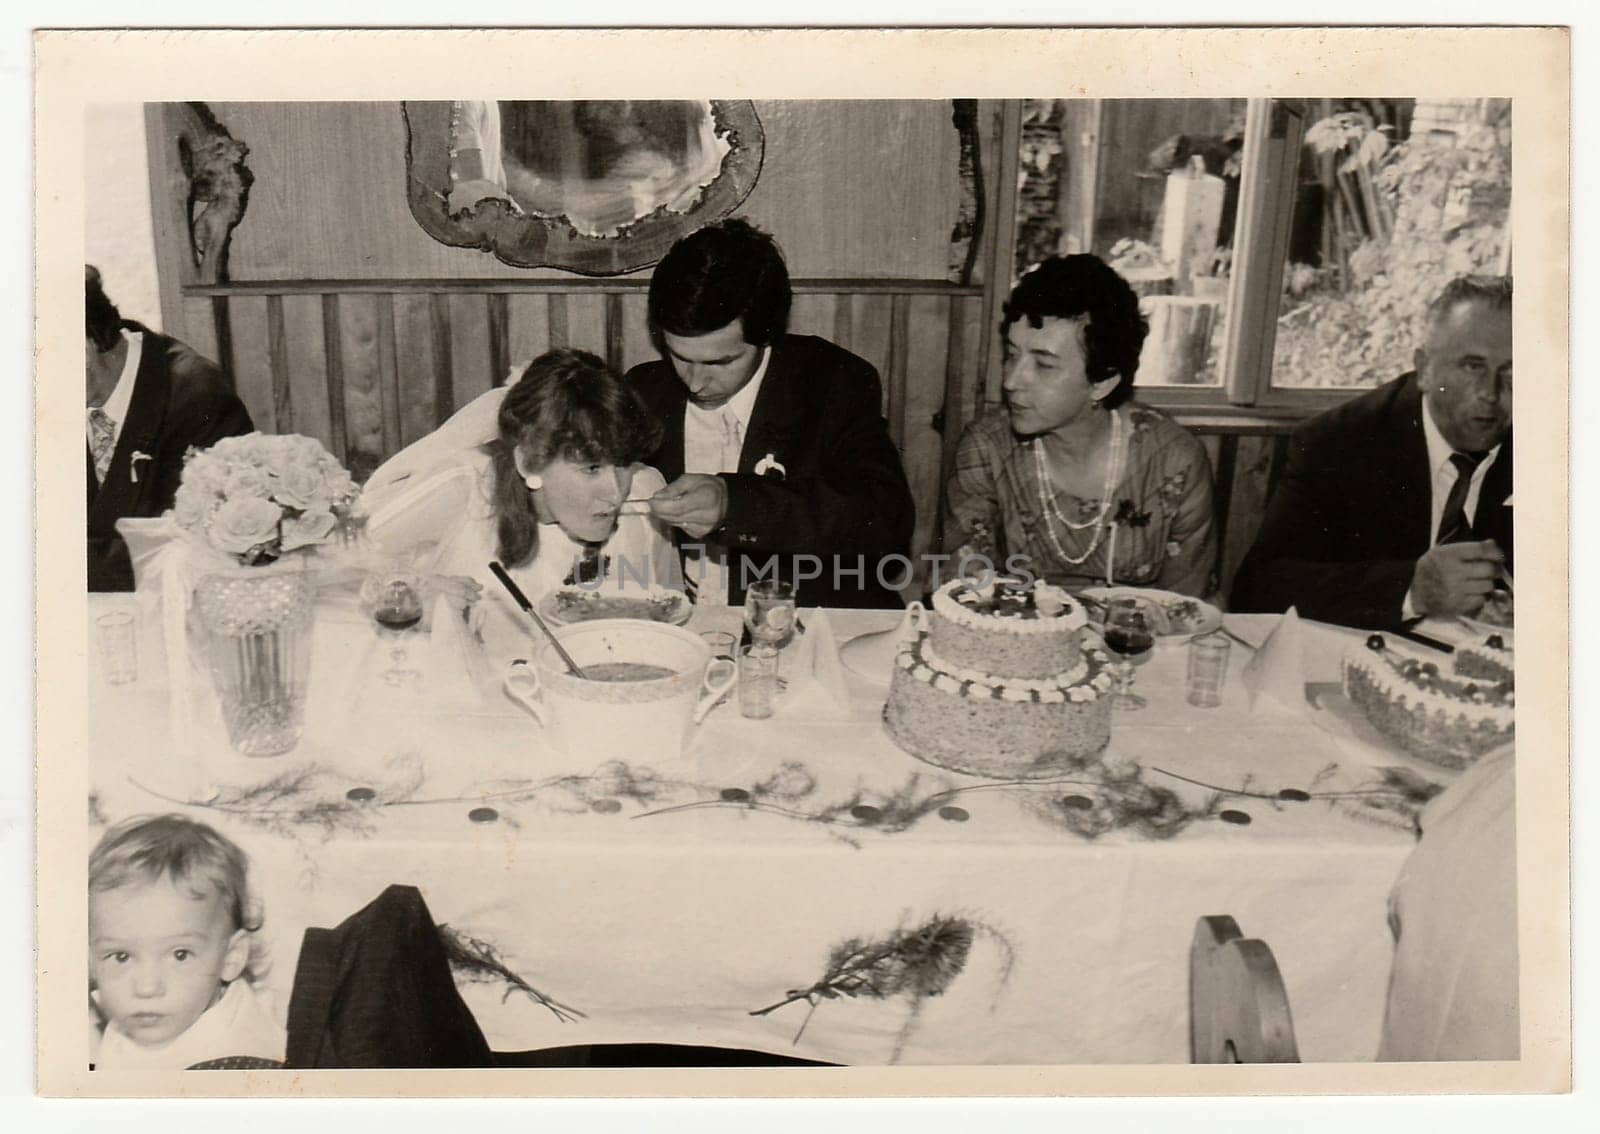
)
(658, 604)
(1159, 605)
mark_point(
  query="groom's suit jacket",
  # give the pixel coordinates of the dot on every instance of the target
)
(1347, 524)
(842, 494)
(179, 399)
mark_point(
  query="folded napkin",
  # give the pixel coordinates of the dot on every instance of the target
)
(455, 670)
(816, 680)
(1275, 678)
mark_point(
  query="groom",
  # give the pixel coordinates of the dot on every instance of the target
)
(775, 448)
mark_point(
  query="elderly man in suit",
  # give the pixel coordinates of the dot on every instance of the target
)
(1397, 504)
(149, 398)
(775, 448)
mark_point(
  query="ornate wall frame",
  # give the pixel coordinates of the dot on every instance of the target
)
(530, 240)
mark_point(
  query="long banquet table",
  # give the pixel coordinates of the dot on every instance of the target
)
(669, 903)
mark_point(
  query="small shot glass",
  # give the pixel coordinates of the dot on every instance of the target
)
(117, 637)
(722, 643)
(758, 681)
(1208, 669)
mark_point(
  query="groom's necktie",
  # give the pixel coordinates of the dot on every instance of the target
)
(1453, 525)
(102, 441)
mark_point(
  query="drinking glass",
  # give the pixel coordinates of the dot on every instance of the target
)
(393, 597)
(118, 638)
(758, 680)
(1127, 633)
(1208, 667)
(769, 611)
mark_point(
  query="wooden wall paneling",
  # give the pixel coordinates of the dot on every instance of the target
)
(813, 314)
(471, 356)
(586, 322)
(844, 320)
(612, 314)
(1213, 446)
(636, 344)
(869, 337)
(416, 367)
(278, 365)
(440, 338)
(557, 316)
(358, 350)
(333, 346)
(894, 371)
(499, 336)
(1248, 487)
(306, 361)
(530, 326)
(388, 375)
(926, 340)
(250, 359)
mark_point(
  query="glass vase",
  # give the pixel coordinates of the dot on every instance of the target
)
(254, 624)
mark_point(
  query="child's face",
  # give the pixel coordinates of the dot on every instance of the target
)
(159, 953)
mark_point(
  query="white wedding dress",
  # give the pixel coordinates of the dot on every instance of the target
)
(432, 504)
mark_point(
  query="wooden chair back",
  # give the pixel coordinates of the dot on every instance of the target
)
(1238, 1009)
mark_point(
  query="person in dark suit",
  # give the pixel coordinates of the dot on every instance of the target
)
(775, 449)
(149, 398)
(1396, 505)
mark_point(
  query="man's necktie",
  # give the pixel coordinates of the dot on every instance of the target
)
(102, 440)
(732, 442)
(1453, 525)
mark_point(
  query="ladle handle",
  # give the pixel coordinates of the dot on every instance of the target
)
(522, 683)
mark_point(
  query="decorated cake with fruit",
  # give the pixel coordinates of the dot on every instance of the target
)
(998, 680)
(1447, 713)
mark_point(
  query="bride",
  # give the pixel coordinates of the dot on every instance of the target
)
(534, 475)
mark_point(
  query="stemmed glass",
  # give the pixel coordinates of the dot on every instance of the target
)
(393, 597)
(1127, 633)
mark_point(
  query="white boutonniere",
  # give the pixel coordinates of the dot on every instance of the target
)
(769, 466)
(1508, 500)
(133, 464)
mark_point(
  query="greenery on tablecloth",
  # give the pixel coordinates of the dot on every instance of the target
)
(913, 964)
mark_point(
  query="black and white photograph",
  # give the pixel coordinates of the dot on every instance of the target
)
(804, 581)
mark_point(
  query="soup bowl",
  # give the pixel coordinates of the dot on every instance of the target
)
(650, 684)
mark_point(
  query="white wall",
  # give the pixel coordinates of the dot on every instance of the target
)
(119, 238)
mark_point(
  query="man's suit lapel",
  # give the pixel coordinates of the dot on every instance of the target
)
(1410, 481)
(774, 413)
(1494, 519)
(119, 494)
(671, 458)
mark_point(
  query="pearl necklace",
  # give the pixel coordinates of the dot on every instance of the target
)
(1052, 510)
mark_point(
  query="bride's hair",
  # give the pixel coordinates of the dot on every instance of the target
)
(567, 403)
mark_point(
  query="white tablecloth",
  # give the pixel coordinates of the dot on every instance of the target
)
(674, 927)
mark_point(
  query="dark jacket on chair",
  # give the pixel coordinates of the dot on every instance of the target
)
(842, 495)
(179, 400)
(1347, 524)
(377, 992)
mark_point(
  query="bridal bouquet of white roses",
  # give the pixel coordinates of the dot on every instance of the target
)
(260, 496)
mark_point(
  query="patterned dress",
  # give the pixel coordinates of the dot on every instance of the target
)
(1159, 531)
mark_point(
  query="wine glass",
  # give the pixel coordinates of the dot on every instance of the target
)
(394, 599)
(1127, 633)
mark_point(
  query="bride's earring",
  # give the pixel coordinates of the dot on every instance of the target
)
(534, 482)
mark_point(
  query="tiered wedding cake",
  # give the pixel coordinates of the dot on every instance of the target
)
(998, 681)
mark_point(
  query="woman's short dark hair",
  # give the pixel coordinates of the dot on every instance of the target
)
(102, 322)
(725, 271)
(566, 403)
(1065, 287)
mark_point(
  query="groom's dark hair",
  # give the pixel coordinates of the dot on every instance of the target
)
(725, 271)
